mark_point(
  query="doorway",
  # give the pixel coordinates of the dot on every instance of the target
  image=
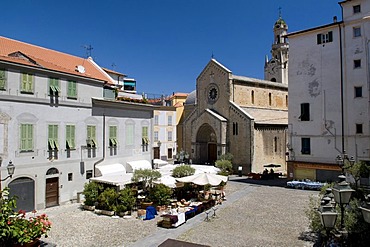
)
(52, 192)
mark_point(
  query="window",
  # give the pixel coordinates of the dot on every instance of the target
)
(26, 137)
(72, 90)
(270, 99)
(27, 83)
(357, 63)
(305, 112)
(53, 145)
(54, 86)
(91, 136)
(235, 129)
(286, 101)
(275, 144)
(89, 174)
(323, 38)
(306, 146)
(252, 96)
(113, 136)
(156, 117)
(169, 120)
(145, 139)
(70, 137)
(129, 134)
(169, 136)
(155, 136)
(356, 32)
(358, 128)
(2, 79)
(70, 176)
(356, 9)
(358, 92)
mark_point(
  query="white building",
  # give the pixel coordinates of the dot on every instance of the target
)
(56, 126)
(329, 94)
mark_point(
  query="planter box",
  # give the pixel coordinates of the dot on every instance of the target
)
(107, 212)
(89, 208)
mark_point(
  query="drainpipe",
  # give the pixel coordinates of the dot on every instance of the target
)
(101, 160)
(341, 78)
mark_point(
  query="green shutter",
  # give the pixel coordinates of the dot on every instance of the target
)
(53, 136)
(70, 136)
(91, 134)
(72, 89)
(129, 134)
(2, 79)
(26, 137)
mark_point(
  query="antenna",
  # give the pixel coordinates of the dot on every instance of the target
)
(279, 12)
(88, 49)
(113, 66)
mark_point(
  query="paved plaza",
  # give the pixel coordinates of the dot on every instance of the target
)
(256, 213)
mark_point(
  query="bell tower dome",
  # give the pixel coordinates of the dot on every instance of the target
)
(276, 68)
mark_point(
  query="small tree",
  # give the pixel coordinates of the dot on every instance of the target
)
(146, 176)
(160, 194)
(107, 200)
(91, 192)
(225, 166)
(183, 171)
(126, 199)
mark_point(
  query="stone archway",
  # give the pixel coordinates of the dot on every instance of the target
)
(206, 144)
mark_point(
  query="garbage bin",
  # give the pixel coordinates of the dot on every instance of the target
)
(240, 171)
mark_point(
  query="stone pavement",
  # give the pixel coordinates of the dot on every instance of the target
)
(256, 213)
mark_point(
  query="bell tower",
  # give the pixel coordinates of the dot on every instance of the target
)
(276, 68)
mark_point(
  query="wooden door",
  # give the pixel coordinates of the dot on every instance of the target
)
(212, 152)
(169, 155)
(52, 192)
(156, 152)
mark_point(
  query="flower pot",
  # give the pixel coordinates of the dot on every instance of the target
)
(34, 243)
(107, 212)
(89, 208)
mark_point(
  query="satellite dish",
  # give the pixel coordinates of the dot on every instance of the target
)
(80, 69)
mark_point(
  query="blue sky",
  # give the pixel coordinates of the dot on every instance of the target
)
(163, 44)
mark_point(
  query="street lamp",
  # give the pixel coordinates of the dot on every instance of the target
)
(328, 215)
(10, 169)
(342, 194)
(340, 160)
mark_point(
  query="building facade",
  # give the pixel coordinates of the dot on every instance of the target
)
(329, 94)
(244, 116)
(56, 125)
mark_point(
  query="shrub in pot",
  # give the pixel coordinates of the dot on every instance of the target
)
(160, 194)
(146, 176)
(126, 199)
(107, 200)
(183, 171)
(91, 193)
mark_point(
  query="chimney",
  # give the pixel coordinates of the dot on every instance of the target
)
(335, 19)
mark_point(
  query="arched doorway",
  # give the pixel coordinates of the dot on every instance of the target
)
(24, 189)
(206, 142)
(52, 188)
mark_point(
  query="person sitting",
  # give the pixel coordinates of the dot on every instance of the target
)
(272, 173)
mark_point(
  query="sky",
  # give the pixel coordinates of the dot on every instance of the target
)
(163, 44)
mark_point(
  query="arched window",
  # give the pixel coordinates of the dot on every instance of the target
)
(270, 100)
(52, 171)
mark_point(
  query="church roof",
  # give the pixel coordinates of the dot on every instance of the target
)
(259, 81)
(191, 99)
(267, 116)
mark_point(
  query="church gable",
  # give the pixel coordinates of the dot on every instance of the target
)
(213, 86)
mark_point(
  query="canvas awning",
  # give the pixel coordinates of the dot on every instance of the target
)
(114, 179)
(203, 179)
(116, 169)
(137, 165)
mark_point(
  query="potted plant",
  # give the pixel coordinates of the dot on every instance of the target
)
(107, 201)
(126, 201)
(27, 231)
(160, 194)
(91, 193)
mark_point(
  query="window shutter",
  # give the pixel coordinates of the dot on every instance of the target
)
(29, 137)
(2, 79)
(330, 36)
(319, 39)
(24, 140)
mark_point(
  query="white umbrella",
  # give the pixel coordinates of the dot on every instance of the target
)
(203, 179)
(167, 180)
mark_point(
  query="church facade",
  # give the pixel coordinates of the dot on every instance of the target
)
(244, 116)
